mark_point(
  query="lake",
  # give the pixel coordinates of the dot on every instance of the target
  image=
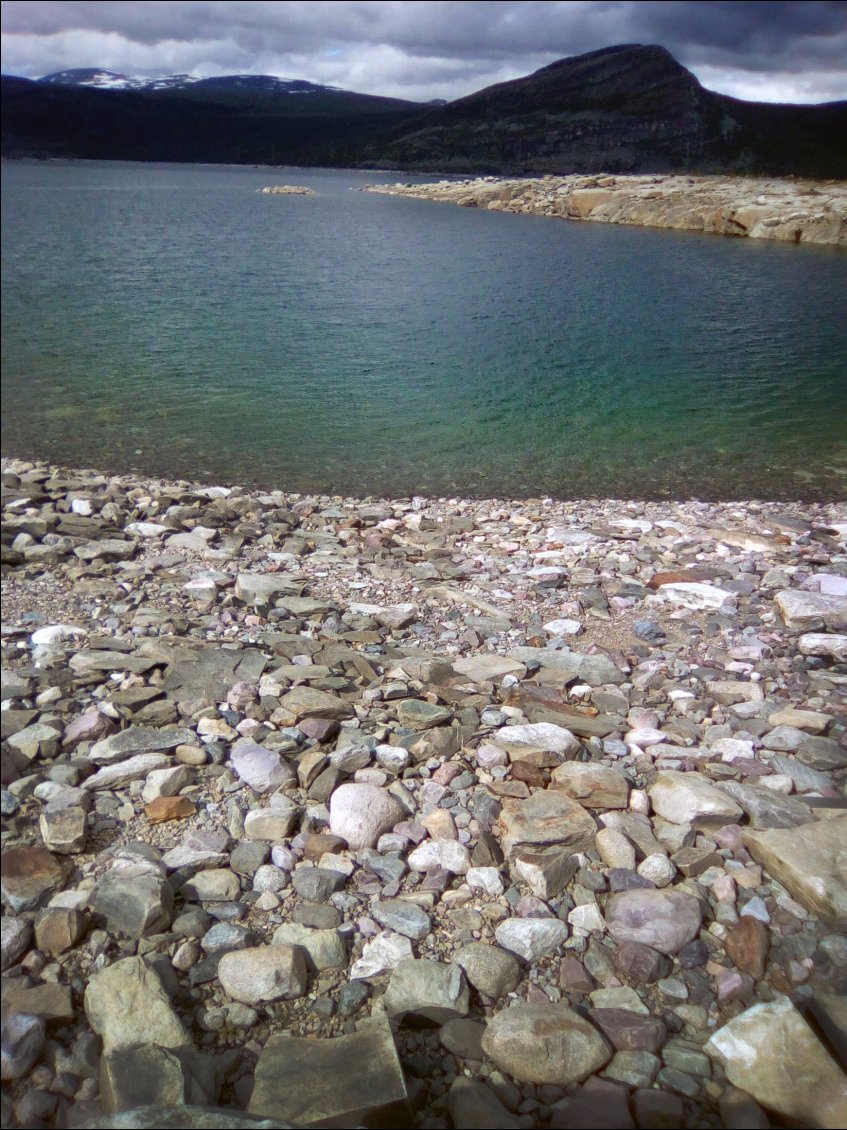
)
(169, 319)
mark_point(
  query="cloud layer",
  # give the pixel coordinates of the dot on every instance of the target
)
(780, 51)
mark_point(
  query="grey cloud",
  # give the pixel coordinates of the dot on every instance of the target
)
(454, 46)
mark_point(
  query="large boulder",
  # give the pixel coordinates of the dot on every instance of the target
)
(772, 1053)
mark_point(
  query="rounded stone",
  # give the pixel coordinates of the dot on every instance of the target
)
(545, 1043)
(360, 814)
(665, 920)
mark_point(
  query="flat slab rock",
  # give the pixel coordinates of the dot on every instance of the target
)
(691, 798)
(772, 1053)
(182, 1118)
(811, 862)
(351, 1080)
(547, 818)
(811, 611)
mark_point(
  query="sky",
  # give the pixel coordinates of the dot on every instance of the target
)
(784, 51)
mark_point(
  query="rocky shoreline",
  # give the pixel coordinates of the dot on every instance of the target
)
(435, 811)
(792, 211)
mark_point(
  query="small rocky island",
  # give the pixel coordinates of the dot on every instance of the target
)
(793, 211)
(286, 190)
(437, 811)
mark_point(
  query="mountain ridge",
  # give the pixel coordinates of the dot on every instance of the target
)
(626, 108)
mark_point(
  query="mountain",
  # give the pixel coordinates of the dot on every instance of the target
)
(262, 93)
(629, 108)
(623, 109)
(111, 80)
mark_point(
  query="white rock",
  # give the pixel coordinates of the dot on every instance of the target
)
(360, 814)
(540, 735)
(380, 954)
(485, 879)
(531, 938)
(563, 627)
(699, 596)
(587, 917)
(825, 645)
(448, 855)
(260, 768)
(166, 782)
(658, 869)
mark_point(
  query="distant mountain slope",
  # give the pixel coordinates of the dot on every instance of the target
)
(629, 108)
(262, 93)
(623, 109)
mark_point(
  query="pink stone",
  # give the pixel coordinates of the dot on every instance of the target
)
(732, 984)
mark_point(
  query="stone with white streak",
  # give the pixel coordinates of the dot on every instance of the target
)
(772, 1053)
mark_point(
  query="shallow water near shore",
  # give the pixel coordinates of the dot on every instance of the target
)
(169, 319)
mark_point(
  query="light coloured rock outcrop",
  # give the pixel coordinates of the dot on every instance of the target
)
(760, 208)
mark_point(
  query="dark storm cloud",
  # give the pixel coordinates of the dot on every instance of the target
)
(427, 49)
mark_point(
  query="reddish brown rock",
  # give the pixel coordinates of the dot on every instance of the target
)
(747, 945)
(169, 808)
(29, 875)
(680, 577)
(319, 843)
(640, 963)
(629, 1031)
(574, 977)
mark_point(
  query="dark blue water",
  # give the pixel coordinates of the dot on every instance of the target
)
(171, 320)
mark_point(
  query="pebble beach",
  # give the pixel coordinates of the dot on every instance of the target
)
(420, 812)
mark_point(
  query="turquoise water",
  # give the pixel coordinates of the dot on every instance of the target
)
(170, 320)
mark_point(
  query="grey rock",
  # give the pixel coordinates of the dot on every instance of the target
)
(491, 970)
(754, 1049)
(431, 990)
(352, 1080)
(316, 884)
(463, 1038)
(810, 861)
(127, 1004)
(64, 830)
(546, 819)
(691, 798)
(402, 916)
(325, 948)
(147, 1075)
(600, 1104)
(136, 901)
(473, 1106)
(546, 872)
(272, 824)
(214, 885)
(263, 974)
(21, 1041)
(633, 1068)
(811, 611)
(125, 772)
(139, 739)
(15, 939)
(767, 809)
(28, 876)
(182, 1118)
